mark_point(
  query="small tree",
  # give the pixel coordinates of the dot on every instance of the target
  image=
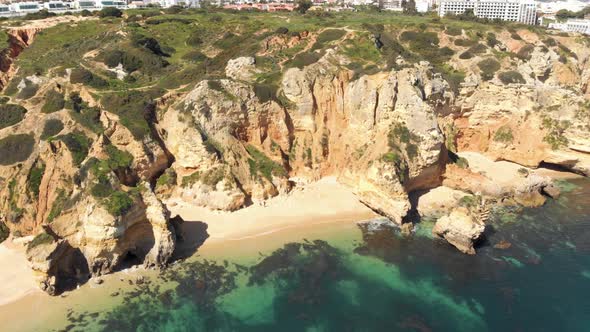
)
(110, 12)
(409, 7)
(303, 6)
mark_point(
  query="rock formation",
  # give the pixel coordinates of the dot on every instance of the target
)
(460, 229)
(98, 165)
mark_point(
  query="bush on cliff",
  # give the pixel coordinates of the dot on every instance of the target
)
(504, 134)
(511, 76)
(11, 114)
(40, 239)
(110, 12)
(119, 203)
(34, 179)
(488, 68)
(4, 232)
(78, 144)
(16, 148)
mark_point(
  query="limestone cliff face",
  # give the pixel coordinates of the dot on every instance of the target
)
(98, 199)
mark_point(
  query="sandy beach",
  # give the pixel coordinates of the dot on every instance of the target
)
(305, 212)
(322, 201)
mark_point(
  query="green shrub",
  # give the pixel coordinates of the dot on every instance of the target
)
(515, 36)
(54, 101)
(550, 42)
(326, 37)
(134, 108)
(4, 99)
(119, 203)
(260, 164)
(34, 179)
(11, 114)
(453, 31)
(78, 144)
(167, 179)
(488, 68)
(115, 57)
(466, 55)
(391, 157)
(464, 42)
(504, 134)
(40, 239)
(52, 127)
(304, 59)
(40, 15)
(16, 148)
(525, 52)
(195, 39)
(110, 12)
(4, 232)
(58, 205)
(511, 76)
(117, 158)
(265, 92)
(81, 75)
(195, 56)
(29, 91)
(477, 48)
(491, 39)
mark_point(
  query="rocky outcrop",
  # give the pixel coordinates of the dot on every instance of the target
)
(460, 229)
(237, 140)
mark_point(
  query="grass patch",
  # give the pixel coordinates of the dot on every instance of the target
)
(11, 114)
(504, 134)
(260, 164)
(16, 148)
(54, 101)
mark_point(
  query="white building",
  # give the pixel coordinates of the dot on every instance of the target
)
(393, 5)
(4, 9)
(571, 25)
(111, 3)
(523, 11)
(25, 7)
(85, 4)
(551, 8)
(56, 6)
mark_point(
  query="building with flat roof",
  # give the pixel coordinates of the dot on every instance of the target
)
(572, 25)
(25, 7)
(523, 11)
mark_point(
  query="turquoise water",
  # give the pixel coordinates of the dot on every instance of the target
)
(383, 282)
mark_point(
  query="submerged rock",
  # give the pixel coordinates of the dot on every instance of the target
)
(459, 229)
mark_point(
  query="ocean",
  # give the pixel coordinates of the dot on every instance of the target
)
(532, 273)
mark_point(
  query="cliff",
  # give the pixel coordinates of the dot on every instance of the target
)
(97, 147)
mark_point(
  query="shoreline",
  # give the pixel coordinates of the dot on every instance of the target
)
(324, 202)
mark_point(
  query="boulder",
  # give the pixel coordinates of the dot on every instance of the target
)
(459, 229)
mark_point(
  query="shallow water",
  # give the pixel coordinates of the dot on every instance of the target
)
(355, 280)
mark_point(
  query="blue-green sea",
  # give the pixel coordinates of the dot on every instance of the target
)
(532, 273)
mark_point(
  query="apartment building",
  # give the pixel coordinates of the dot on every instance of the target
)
(523, 11)
(572, 25)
